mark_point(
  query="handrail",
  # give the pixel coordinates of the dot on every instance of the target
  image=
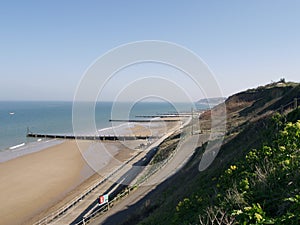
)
(73, 202)
(294, 104)
(126, 192)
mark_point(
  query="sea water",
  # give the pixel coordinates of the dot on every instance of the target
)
(18, 118)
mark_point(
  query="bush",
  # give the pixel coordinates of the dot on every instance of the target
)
(262, 188)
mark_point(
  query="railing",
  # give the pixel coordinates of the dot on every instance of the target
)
(127, 191)
(161, 164)
(104, 208)
(291, 105)
(64, 209)
(282, 109)
(123, 194)
(77, 199)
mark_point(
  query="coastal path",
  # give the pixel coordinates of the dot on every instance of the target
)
(118, 213)
(122, 174)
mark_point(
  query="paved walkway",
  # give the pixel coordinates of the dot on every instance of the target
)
(125, 175)
(115, 215)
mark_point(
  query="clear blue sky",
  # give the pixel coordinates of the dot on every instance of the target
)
(46, 46)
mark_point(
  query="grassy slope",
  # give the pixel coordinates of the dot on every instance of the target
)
(249, 127)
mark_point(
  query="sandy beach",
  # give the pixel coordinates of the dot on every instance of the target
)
(31, 184)
(36, 184)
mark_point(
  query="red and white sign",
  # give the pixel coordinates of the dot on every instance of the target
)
(103, 199)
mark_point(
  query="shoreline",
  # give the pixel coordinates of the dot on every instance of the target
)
(33, 182)
(40, 144)
(36, 184)
(28, 148)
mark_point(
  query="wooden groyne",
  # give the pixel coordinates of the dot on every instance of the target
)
(146, 121)
(162, 116)
(90, 137)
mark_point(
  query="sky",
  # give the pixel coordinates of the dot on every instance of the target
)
(46, 47)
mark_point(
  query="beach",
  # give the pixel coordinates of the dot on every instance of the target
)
(34, 185)
(34, 182)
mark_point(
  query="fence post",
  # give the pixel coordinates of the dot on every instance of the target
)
(295, 103)
(281, 109)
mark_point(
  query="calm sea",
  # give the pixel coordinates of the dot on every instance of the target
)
(56, 118)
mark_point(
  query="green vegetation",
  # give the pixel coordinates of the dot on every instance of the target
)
(255, 178)
(261, 187)
(166, 149)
